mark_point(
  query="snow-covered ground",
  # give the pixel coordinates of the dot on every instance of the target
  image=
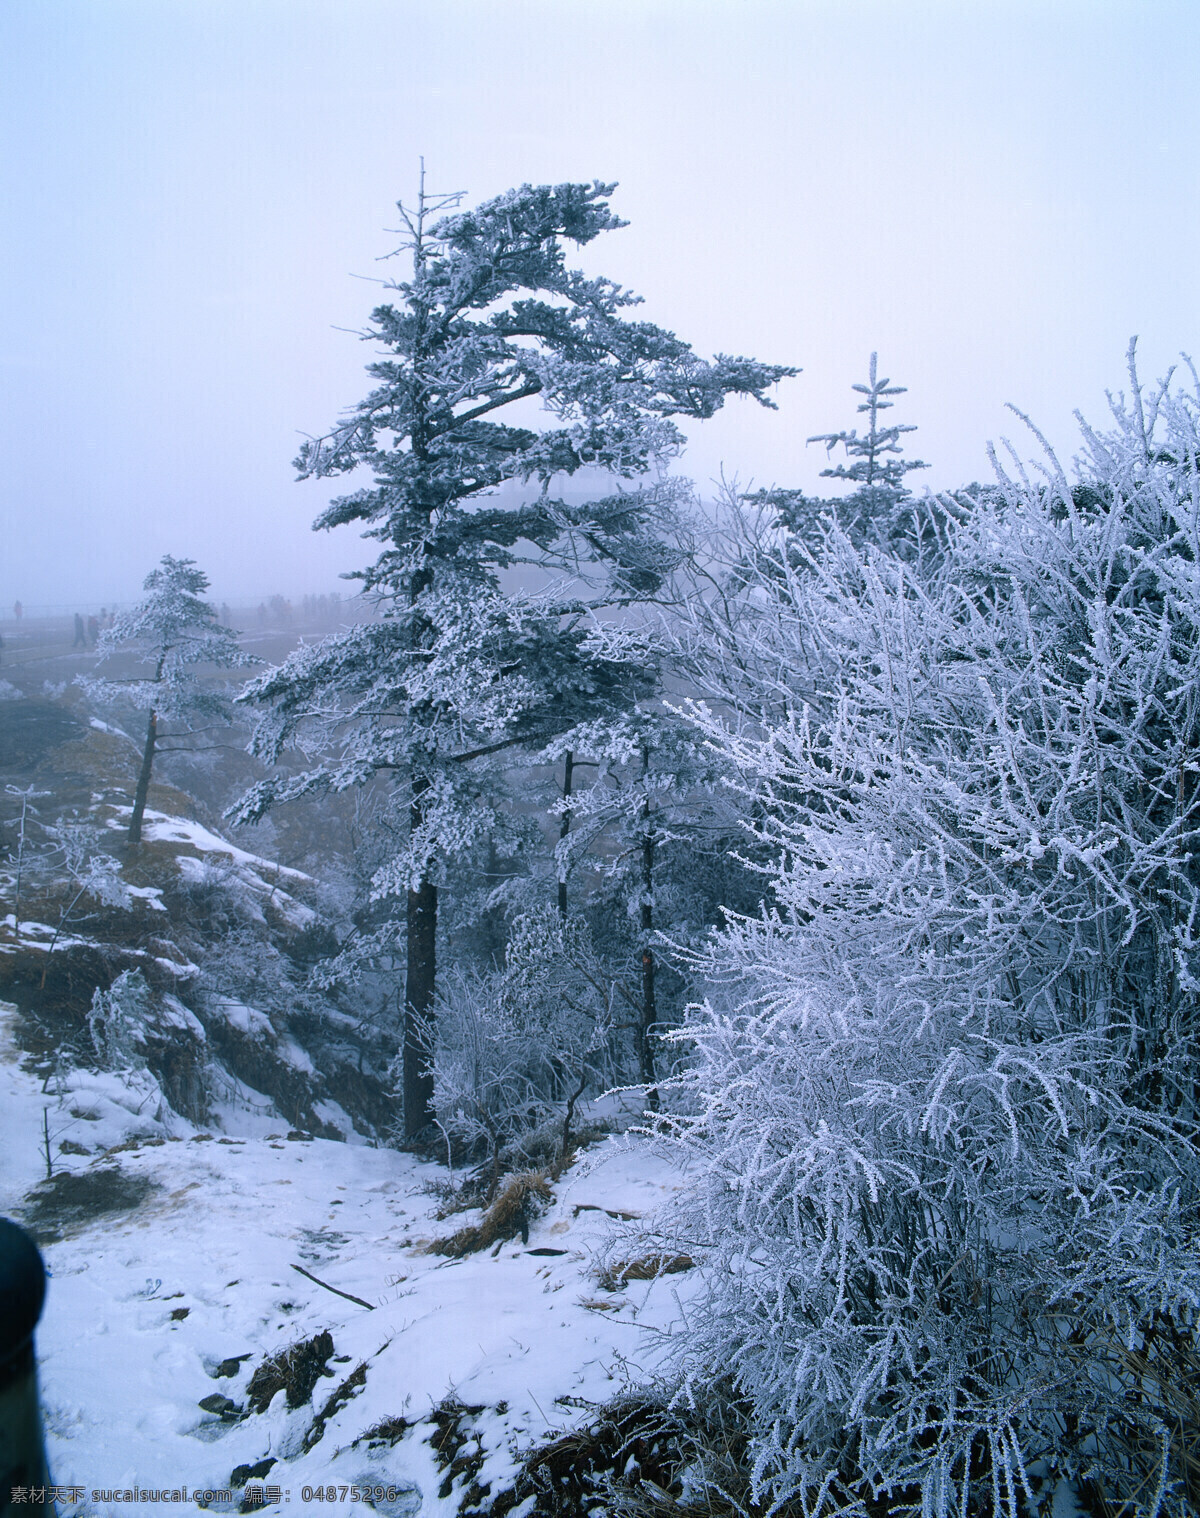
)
(149, 1305)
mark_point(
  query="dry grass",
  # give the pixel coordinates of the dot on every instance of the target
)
(72, 1200)
(625, 1460)
(1153, 1445)
(459, 1452)
(388, 1431)
(520, 1200)
(295, 1370)
(648, 1268)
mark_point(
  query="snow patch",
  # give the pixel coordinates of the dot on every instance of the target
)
(176, 1015)
(105, 727)
(151, 895)
(337, 1117)
(163, 829)
(290, 1051)
(145, 1307)
(247, 1020)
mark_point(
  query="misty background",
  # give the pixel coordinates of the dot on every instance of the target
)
(197, 197)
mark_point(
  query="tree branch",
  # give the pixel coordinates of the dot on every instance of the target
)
(349, 1296)
(532, 388)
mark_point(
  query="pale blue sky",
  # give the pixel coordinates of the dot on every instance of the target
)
(993, 194)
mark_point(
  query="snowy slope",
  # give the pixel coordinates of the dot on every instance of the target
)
(146, 1302)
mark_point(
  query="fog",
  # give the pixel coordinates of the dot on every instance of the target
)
(995, 196)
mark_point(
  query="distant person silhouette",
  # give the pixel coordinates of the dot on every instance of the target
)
(80, 635)
(18, 609)
(93, 631)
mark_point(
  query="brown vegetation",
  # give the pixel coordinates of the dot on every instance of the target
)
(295, 1370)
(520, 1200)
(648, 1268)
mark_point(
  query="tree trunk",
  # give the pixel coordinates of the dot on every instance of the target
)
(143, 784)
(418, 1001)
(649, 1008)
(419, 985)
(563, 831)
(564, 1151)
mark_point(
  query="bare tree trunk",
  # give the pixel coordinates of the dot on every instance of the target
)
(143, 784)
(564, 830)
(419, 985)
(649, 1007)
(418, 998)
(564, 1152)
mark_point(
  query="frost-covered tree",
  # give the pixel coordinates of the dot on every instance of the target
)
(21, 822)
(78, 857)
(517, 1049)
(876, 469)
(118, 1020)
(489, 324)
(877, 464)
(944, 1124)
(175, 634)
(642, 826)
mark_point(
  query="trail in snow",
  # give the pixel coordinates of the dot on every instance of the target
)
(147, 1306)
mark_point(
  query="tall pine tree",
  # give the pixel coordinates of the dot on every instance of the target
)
(461, 669)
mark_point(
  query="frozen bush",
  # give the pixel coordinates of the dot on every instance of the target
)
(118, 1022)
(517, 1049)
(944, 1148)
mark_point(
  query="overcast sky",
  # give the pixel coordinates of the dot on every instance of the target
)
(995, 195)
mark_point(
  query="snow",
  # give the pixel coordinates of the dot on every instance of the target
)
(247, 1020)
(260, 877)
(289, 1050)
(240, 1111)
(336, 1116)
(177, 1015)
(19, 1161)
(24, 931)
(220, 1233)
(40, 935)
(163, 829)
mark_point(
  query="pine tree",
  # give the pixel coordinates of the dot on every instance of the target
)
(175, 633)
(460, 669)
(877, 470)
(877, 463)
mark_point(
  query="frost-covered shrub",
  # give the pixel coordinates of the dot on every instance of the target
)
(517, 1049)
(153, 1045)
(118, 1022)
(944, 1149)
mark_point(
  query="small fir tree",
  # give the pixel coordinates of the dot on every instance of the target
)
(175, 634)
(876, 469)
(877, 463)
